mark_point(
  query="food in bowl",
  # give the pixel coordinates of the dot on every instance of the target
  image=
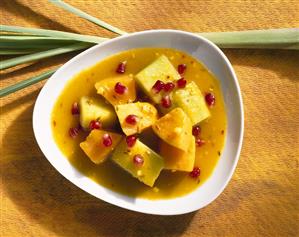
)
(147, 122)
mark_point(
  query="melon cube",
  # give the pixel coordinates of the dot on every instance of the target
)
(152, 165)
(146, 116)
(191, 100)
(96, 109)
(106, 87)
(176, 159)
(175, 128)
(94, 147)
(161, 69)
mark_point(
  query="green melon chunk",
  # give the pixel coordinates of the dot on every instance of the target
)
(191, 100)
(161, 69)
(96, 109)
(151, 168)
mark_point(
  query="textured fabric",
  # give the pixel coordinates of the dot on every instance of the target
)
(262, 197)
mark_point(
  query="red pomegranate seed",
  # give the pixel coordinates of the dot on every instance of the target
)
(73, 132)
(196, 131)
(138, 160)
(107, 140)
(121, 68)
(210, 99)
(181, 83)
(75, 108)
(131, 140)
(131, 119)
(158, 86)
(199, 142)
(119, 88)
(166, 101)
(195, 172)
(169, 86)
(94, 124)
(182, 68)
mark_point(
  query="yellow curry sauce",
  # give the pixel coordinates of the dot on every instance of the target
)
(169, 184)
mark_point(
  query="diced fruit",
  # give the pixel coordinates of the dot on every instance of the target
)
(191, 100)
(140, 161)
(145, 114)
(175, 128)
(94, 109)
(99, 144)
(159, 70)
(176, 159)
(117, 90)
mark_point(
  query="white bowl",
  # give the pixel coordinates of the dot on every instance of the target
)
(198, 47)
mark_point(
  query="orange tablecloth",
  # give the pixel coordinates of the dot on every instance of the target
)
(261, 199)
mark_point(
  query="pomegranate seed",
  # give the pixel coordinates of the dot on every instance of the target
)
(195, 172)
(131, 140)
(131, 119)
(210, 99)
(196, 131)
(121, 68)
(182, 68)
(181, 83)
(75, 108)
(94, 124)
(73, 132)
(138, 160)
(158, 86)
(169, 86)
(199, 142)
(107, 140)
(166, 101)
(119, 88)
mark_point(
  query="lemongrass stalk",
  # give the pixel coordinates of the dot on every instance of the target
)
(271, 39)
(24, 38)
(88, 17)
(15, 51)
(20, 85)
(45, 54)
(53, 33)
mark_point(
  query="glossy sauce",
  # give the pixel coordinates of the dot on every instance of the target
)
(169, 184)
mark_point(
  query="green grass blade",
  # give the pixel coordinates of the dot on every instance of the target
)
(18, 86)
(272, 39)
(53, 33)
(86, 16)
(15, 51)
(45, 54)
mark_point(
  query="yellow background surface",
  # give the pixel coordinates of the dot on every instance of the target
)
(262, 197)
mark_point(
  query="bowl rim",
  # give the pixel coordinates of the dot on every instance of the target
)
(119, 38)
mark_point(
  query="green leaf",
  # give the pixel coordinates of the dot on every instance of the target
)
(53, 33)
(39, 55)
(15, 51)
(86, 16)
(265, 39)
(20, 85)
